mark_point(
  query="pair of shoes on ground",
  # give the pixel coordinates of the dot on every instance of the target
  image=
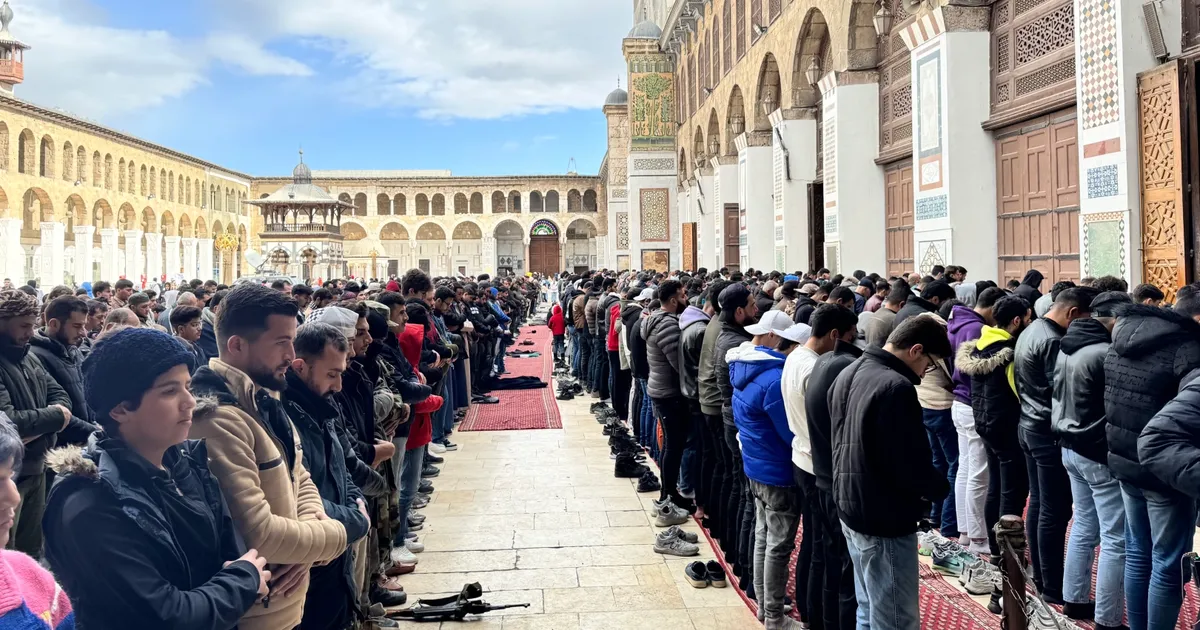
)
(387, 597)
(627, 466)
(407, 553)
(430, 472)
(667, 513)
(701, 575)
(648, 482)
(674, 541)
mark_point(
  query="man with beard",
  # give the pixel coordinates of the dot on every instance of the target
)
(97, 311)
(661, 333)
(39, 407)
(255, 454)
(208, 326)
(315, 375)
(140, 304)
(124, 289)
(57, 346)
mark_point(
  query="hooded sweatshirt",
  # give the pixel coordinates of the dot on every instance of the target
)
(692, 324)
(557, 323)
(989, 363)
(1028, 288)
(965, 326)
(759, 413)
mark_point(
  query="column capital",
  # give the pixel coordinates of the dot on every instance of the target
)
(86, 230)
(850, 77)
(170, 240)
(752, 139)
(726, 160)
(780, 116)
(110, 232)
(133, 234)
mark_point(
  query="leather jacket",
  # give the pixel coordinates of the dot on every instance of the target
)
(1036, 354)
(1078, 418)
(691, 340)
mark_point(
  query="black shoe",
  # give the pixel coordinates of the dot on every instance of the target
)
(430, 471)
(380, 595)
(561, 396)
(608, 429)
(1080, 612)
(696, 574)
(426, 486)
(430, 458)
(488, 400)
(716, 575)
(628, 468)
(648, 482)
(994, 604)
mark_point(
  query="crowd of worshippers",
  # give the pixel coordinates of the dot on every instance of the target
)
(252, 457)
(888, 418)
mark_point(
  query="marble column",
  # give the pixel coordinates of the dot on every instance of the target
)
(154, 271)
(12, 255)
(489, 254)
(173, 265)
(528, 240)
(794, 168)
(754, 199)
(205, 258)
(83, 253)
(705, 205)
(133, 258)
(53, 258)
(725, 193)
(850, 124)
(449, 260)
(110, 263)
(189, 258)
(562, 252)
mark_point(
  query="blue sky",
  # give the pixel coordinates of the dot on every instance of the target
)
(481, 87)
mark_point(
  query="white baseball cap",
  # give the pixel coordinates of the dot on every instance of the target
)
(771, 321)
(646, 294)
(798, 333)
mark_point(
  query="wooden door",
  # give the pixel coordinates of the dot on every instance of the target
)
(544, 255)
(1161, 140)
(733, 229)
(899, 208)
(1037, 189)
(689, 247)
(816, 226)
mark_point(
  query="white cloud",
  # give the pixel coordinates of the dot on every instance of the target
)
(251, 57)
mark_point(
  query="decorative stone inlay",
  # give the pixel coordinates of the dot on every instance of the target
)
(932, 253)
(831, 223)
(622, 230)
(655, 214)
(1102, 181)
(654, 164)
(931, 208)
(1099, 76)
(1104, 245)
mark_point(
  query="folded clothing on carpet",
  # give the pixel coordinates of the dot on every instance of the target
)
(519, 382)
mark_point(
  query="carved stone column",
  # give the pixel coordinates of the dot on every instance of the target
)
(205, 258)
(12, 255)
(110, 262)
(173, 265)
(133, 258)
(154, 269)
(83, 253)
(52, 271)
(189, 258)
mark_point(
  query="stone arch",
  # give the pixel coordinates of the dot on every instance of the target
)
(862, 42)
(439, 205)
(68, 162)
(4, 210)
(393, 231)
(574, 201)
(498, 202)
(74, 214)
(149, 222)
(185, 226)
(130, 182)
(360, 205)
(383, 205)
(187, 187)
(814, 44)
(217, 229)
(543, 227)
(460, 203)
(589, 201)
(422, 205)
(353, 231)
(581, 228)
(735, 119)
(509, 229)
(102, 215)
(467, 230)
(346, 199)
(430, 231)
(536, 202)
(26, 153)
(201, 228)
(126, 218)
(767, 96)
(552, 202)
(36, 207)
(3, 146)
(399, 205)
(46, 157)
(121, 176)
(168, 224)
(514, 202)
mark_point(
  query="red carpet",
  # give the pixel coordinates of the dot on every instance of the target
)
(524, 408)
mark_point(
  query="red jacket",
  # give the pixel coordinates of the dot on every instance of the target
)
(557, 323)
(411, 340)
(614, 317)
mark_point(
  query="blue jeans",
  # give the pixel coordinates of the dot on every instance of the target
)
(1158, 530)
(1099, 520)
(410, 481)
(943, 441)
(559, 347)
(885, 580)
(573, 336)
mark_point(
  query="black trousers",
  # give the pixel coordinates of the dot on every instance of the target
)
(1008, 487)
(732, 491)
(717, 454)
(838, 605)
(622, 382)
(673, 418)
(807, 597)
(585, 359)
(1049, 509)
(741, 508)
(600, 366)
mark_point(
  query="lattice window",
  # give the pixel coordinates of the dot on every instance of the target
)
(755, 16)
(902, 101)
(1001, 14)
(1046, 77)
(741, 28)
(899, 10)
(1002, 53)
(1025, 5)
(775, 8)
(1044, 35)
(727, 32)
(902, 132)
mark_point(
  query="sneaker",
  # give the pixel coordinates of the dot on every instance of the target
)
(430, 458)
(926, 542)
(675, 531)
(674, 546)
(648, 483)
(716, 574)
(449, 446)
(951, 560)
(628, 468)
(560, 396)
(416, 528)
(387, 598)
(416, 519)
(414, 546)
(669, 515)
(425, 487)
(434, 447)
(411, 536)
(431, 471)
(980, 579)
(401, 555)
(419, 503)
(696, 574)
(1042, 617)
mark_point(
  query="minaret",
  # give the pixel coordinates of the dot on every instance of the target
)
(12, 53)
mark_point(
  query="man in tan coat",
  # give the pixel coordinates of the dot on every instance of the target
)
(255, 454)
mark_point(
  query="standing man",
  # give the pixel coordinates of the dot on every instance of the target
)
(883, 475)
(883, 321)
(255, 454)
(120, 298)
(661, 333)
(57, 346)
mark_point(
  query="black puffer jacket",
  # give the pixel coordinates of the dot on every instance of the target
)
(64, 365)
(816, 408)
(731, 336)
(27, 392)
(803, 309)
(1078, 416)
(661, 333)
(914, 306)
(994, 402)
(1152, 350)
(631, 319)
(1169, 447)
(1037, 350)
(691, 339)
(883, 474)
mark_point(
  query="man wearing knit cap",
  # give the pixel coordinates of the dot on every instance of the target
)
(254, 451)
(37, 405)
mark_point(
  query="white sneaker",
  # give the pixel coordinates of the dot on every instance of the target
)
(980, 579)
(436, 448)
(401, 555)
(669, 514)
(414, 546)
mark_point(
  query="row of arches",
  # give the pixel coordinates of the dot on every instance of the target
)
(461, 203)
(40, 157)
(467, 230)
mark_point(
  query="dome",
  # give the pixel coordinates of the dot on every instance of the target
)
(617, 97)
(645, 30)
(301, 174)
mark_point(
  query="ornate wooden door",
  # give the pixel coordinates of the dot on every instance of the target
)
(689, 247)
(544, 255)
(733, 229)
(1161, 147)
(899, 208)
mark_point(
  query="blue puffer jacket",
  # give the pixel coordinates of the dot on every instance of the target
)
(758, 411)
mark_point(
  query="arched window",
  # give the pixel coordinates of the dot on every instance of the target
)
(121, 175)
(399, 204)
(477, 203)
(439, 205)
